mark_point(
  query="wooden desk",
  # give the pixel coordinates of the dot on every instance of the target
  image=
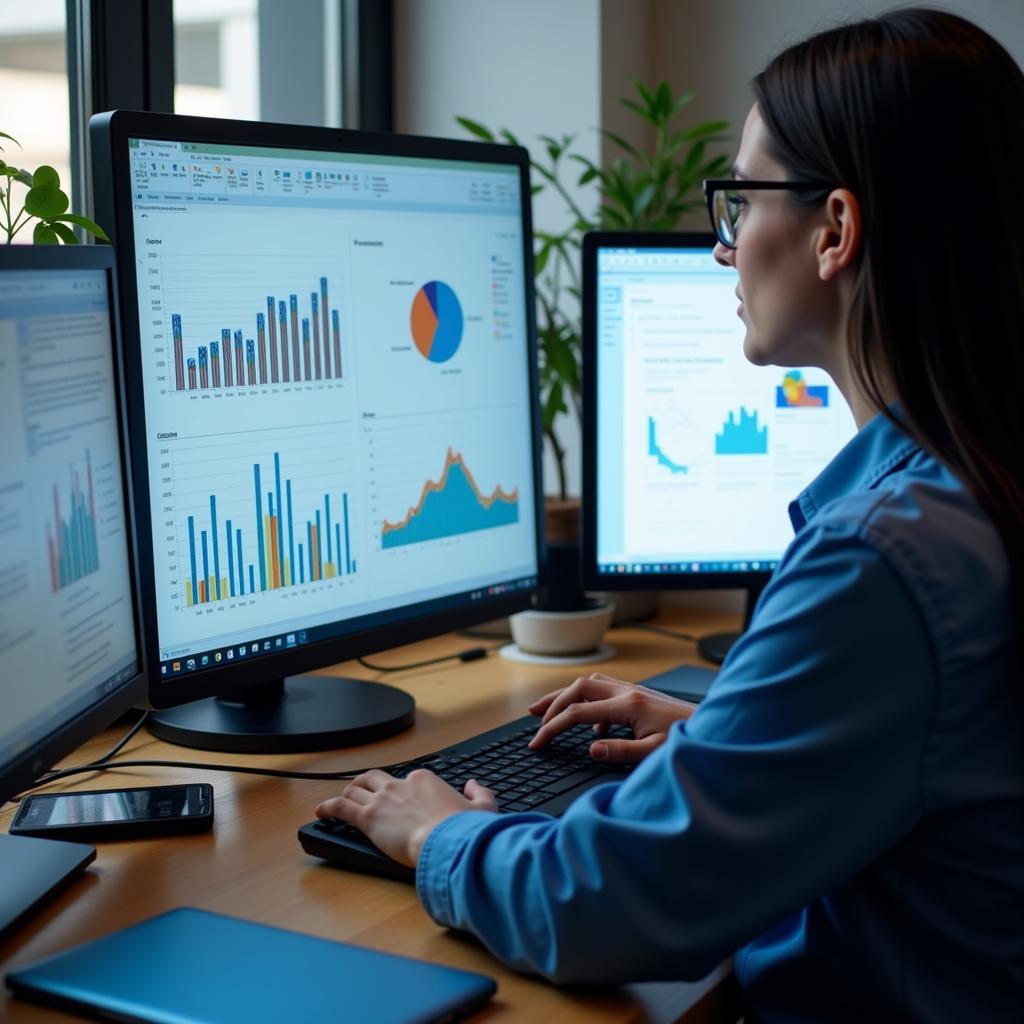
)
(252, 866)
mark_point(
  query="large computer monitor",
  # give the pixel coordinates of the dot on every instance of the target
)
(691, 453)
(69, 647)
(333, 402)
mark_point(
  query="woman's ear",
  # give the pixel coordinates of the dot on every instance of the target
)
(839, 237)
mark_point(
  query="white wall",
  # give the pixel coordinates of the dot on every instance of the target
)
(717, 47)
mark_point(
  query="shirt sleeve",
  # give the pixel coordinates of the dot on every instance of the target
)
(801, 766)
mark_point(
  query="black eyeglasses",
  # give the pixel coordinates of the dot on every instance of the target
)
(725, 202)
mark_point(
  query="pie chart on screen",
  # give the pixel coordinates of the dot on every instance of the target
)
(436, 321)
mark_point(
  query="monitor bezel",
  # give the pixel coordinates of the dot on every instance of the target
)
(109, 133)
(593, 242)
(25, 768)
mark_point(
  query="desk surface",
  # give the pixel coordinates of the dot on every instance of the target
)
(251, 865)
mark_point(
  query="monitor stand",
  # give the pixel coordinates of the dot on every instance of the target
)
(34, 871)
(286, 716)
(715, 646)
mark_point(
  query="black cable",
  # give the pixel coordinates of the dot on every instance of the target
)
(662, 631)
(51, 775)
(277, 773)
(469, 654)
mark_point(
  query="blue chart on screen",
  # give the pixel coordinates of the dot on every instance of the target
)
(654, 450)
(436, 321)
(742, 436)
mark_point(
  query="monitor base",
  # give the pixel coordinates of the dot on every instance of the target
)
(34, 871)
(292, 715)
(715, 646)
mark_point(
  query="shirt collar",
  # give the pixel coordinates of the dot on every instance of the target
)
(878, 449)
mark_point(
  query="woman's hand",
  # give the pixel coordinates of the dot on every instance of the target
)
(399, 814)
(605, 701)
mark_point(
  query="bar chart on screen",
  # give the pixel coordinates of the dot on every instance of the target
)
(221, 325)
(268, 517)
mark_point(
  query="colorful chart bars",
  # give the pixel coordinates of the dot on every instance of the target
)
(279, 353)
(655, 451)
(742, 436)
(72, 543)
(277, 554)
(795, 393)
(452, 506)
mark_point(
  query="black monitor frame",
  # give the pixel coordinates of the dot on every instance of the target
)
(109, 133)
(35, 871)
(22, 769)
(753, 582)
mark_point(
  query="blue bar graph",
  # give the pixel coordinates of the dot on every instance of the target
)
(273, 565)
(742, 436)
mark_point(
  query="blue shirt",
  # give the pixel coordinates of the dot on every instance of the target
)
(844, 812)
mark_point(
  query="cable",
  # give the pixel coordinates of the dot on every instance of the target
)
(51, 775)
(277, 773)
(469, 654)
(662, 631)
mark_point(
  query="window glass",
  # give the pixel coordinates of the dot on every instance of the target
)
(216, 58)
(266, 60)
(34, 84)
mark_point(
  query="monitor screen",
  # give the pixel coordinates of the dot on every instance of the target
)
(67, 617)
(337, 377)
(694, 453)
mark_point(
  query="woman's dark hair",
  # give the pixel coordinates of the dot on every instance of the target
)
(920, 114)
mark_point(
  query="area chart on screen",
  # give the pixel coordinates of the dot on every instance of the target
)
(451, 506)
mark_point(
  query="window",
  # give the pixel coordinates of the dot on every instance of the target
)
(34, 82)
(270, 60)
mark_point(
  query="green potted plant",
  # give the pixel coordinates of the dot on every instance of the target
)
(44, 201)
(642, 189)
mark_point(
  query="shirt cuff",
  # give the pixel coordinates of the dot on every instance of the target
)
(439, 856)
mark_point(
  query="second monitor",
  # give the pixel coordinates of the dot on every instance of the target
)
(332, 392)
(691, 453)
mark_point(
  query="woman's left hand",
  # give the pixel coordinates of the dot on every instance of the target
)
(399, 814)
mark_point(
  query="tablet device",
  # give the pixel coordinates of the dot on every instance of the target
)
(190, 966)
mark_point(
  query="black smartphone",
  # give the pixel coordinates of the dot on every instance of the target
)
(116, 813)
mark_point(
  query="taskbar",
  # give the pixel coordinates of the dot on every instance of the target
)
(672, 568)
(292, 638)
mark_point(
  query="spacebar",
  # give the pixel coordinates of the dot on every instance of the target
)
(570, 781)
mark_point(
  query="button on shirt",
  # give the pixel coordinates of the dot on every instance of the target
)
(845, 810)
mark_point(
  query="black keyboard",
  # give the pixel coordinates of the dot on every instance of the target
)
(547, 780)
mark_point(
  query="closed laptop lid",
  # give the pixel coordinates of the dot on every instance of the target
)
(190, 966)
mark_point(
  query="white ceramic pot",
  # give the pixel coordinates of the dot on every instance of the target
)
(560, 633)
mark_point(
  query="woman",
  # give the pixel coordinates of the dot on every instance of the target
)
(845, 811)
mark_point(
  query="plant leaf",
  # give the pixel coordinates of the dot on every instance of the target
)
(638, 110)
(46, 201)
(509, 137)
(663, 101)
(63, 232)
(4, 135)
(45, 175)
(703, 130)
(622, 143)
(682, 101)
(645, 94)
(83, 222)
(45, 235)
(476, 128)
